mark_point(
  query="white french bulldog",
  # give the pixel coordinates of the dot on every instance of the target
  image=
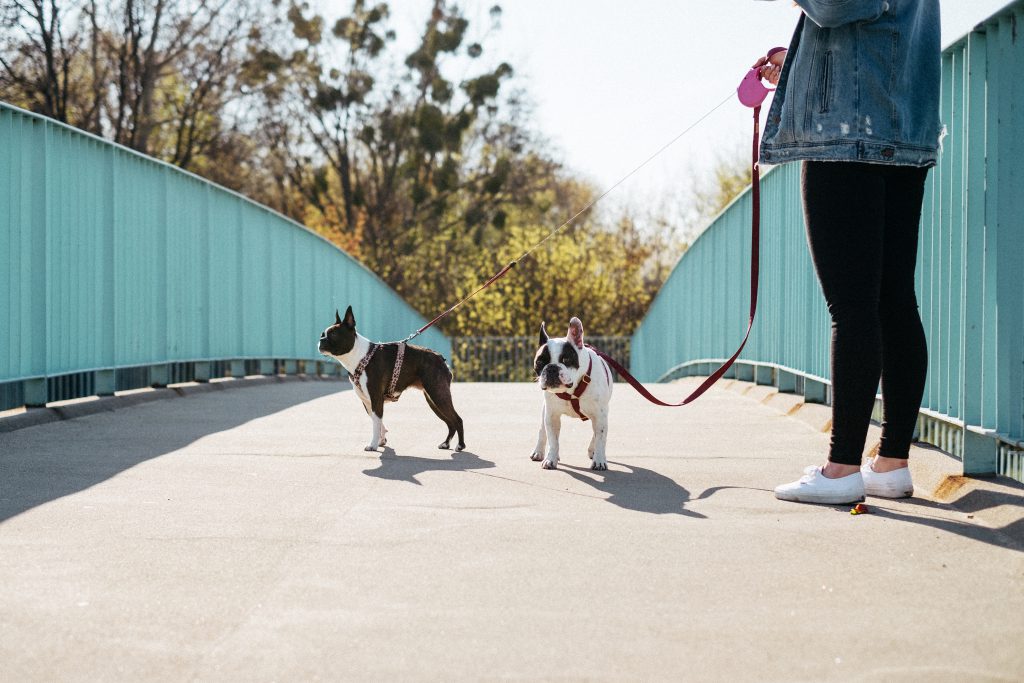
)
(576, 382)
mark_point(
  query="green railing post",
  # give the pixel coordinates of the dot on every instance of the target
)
(980, 450)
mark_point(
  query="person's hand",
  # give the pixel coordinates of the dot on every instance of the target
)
(770, 68)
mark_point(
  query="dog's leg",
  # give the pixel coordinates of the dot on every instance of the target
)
(439, 398)
(379, 432)
(446, 444)
(378, 429)
(553, 424)
(538, 450)
(600, 438)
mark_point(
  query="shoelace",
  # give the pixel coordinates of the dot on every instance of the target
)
(810, 473)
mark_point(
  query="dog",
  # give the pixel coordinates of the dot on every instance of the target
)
(381, 372)
(576, 382)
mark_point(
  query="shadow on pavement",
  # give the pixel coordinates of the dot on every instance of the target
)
(1009, 536)
(405, 468)
(45, 463)
(641, 489)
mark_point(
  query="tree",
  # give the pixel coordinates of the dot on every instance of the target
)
(154, 75)
(37, 51)
(729, 177)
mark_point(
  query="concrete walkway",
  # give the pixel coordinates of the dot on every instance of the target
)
(246, 536)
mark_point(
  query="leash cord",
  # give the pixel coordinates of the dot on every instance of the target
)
(504, 271)
(626, 177)
(755, 258)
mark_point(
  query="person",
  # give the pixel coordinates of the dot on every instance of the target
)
(857, 102)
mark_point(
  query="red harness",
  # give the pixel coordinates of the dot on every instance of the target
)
(574, 397)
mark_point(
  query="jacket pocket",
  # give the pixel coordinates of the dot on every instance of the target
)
(825, 82)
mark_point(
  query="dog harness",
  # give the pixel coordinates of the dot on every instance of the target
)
(354, 377)
(391, 395)
(574, 397)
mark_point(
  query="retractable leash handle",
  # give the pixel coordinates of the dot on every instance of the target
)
(752, 90)
(752, 93)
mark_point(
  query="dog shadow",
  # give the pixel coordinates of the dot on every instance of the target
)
(641, 490)
(406, 468)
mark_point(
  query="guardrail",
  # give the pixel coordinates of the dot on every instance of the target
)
(120, 271)
(969, 272)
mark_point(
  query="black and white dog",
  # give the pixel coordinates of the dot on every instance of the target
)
(381, 372)
(576, 382)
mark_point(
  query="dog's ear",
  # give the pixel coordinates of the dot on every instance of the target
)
(575, 333)
(350, 319)
(337, 318)
(543, 335)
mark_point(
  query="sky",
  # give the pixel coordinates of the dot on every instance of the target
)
(613, 81)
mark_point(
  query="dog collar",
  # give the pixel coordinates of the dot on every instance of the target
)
(574, 397)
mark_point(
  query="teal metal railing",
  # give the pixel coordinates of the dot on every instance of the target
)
(120, 271)
(970, 272)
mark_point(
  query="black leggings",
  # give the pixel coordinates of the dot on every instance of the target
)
(862, 229)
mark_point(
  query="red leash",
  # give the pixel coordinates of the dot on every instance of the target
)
(755, 241)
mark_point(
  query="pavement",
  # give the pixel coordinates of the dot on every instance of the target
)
(245, 535)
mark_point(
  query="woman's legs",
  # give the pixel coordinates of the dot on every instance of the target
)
(904, 348)
(862, 226)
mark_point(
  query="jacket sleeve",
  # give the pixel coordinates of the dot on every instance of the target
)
(833, 13)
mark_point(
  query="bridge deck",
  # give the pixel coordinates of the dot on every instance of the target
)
(246, 535)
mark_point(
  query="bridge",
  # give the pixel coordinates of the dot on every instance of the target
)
(184, 491)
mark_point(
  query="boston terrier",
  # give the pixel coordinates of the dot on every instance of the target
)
(381, 372)
(576, 382)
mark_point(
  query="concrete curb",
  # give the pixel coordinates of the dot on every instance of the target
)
(93, 405)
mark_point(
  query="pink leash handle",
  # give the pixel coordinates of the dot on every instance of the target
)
(752, 91)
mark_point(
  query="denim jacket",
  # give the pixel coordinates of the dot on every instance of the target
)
(860, 83)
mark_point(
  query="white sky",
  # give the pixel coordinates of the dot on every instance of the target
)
(614, 81)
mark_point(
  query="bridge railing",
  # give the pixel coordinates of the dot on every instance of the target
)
(510, 359)
(119, 271)
(969, 272)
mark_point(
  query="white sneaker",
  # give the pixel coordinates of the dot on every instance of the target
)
(894, 484)
(815, 487)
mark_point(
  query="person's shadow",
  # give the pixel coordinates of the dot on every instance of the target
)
(918, 510)
(640, 489)
(406, 468)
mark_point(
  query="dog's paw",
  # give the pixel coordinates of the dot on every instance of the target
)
(536, 457)
(370, 448)
(549, 464)
(444, 446)
(598, 466)
(460, 447)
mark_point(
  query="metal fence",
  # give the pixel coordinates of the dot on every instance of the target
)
(970, 272)
(120, 271)
(510, 359)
